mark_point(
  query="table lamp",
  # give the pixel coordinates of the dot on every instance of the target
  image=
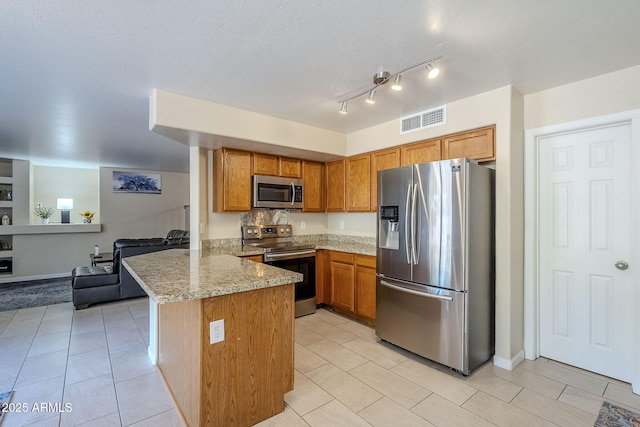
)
(64, 206)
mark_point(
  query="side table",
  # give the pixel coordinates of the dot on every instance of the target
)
(101, 258)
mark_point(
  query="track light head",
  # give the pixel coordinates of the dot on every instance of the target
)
(371, 98)
(432, 71)
(343, 107)
(397, 85)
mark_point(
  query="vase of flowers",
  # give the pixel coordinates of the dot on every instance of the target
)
(87, 217)
(44, 213)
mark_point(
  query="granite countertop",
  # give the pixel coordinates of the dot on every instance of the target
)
(351, 247)
(177, 275)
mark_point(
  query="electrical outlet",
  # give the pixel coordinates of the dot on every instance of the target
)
(201, 228)
(216, 331)
(341, 225)
(303, 225)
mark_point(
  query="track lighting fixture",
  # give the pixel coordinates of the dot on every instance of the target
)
(383, 77)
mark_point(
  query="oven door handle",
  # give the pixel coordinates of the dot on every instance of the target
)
(288, 255)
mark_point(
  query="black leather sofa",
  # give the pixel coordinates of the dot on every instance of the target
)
(104, 282)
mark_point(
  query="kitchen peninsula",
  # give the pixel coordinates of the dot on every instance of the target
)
(242, 379)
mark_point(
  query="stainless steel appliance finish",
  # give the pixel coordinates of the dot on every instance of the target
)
(282, 252)
(276, 192)
(435, 261)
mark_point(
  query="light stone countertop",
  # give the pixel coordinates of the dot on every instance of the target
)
(177, 275)
(351, 247)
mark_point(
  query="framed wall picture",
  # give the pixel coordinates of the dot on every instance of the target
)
(132, 182)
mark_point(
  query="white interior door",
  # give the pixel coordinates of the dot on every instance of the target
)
(586, 295)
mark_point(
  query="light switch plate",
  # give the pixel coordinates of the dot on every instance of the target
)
(216, 331)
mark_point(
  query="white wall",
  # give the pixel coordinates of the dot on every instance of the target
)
(135, 215)
(606, 94)
(80, 184)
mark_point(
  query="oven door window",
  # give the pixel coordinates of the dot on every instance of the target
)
(306, 266)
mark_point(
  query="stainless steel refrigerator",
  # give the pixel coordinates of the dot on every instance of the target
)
(435, 261)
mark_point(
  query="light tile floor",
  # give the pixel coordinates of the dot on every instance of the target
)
(96, 361)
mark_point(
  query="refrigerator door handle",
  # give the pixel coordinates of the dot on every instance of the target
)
(415, 230)
(412, 292)
(406, 224)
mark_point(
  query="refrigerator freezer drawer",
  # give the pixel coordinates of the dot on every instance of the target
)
(431, 325)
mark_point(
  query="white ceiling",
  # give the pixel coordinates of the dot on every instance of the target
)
(76, 76)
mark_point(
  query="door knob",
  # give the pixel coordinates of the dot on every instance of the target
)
(621, 265)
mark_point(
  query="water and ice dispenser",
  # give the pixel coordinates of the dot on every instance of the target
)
(389, 228)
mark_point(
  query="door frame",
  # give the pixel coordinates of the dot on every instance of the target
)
(531, 228)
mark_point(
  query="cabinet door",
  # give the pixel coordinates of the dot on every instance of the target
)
(420, 152)
(342, 283)
(265, 164)
(313, 186)
(365, 287)
(232, 174)
(358, 183)
(290, 168)
(323, 277)
(335, 186)
(385, 159)
(477, 144)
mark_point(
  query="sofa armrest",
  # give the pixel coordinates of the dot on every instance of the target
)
(92, 276)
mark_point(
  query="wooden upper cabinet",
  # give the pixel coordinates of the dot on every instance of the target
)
(358, 183)
(232, 180)
(335, 172)
(265, 164)
(290, 168)
(385, 159)
(312, 178)
(420, 152)
(478, 144)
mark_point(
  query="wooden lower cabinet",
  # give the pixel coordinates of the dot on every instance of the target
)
(323, 277)
(352, 284)
(254, 258)
(241, 380)
(342, 281)
(365, 287)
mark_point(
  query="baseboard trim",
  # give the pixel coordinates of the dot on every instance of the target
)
(509, 364)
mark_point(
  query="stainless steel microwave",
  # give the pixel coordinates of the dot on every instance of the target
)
(277, 193)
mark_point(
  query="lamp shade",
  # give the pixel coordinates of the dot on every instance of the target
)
(65, 204)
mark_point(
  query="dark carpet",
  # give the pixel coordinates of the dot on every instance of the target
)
(614, 416)
(34, 293)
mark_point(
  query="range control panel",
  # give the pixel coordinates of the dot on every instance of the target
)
(266, 231)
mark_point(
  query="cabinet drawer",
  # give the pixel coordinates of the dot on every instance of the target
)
(366, 261)
(342, 257)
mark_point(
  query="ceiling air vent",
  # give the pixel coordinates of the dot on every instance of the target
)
(426, 119)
